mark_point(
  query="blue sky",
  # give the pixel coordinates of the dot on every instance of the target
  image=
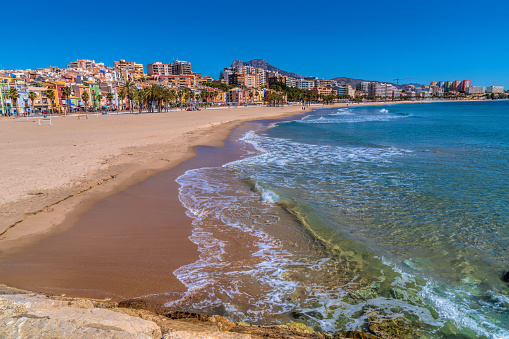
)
(372, 40)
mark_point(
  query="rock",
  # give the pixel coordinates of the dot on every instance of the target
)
(354, 335)
(505, 277)
(222, 323)
(300, 327)
(34, 316)
(205, 335)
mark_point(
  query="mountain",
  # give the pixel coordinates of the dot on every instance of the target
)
(343, 81)
(260, 63)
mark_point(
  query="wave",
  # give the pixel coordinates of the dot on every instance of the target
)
(333, 282)
(349, 116)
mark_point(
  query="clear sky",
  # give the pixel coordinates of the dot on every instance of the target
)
(372, 40)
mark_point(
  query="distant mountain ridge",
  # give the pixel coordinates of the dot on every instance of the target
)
(260, 63)
(343, 81)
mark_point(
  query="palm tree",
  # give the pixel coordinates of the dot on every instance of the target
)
(66, 93)
(131, 94)
(85, 97)
(109, 97)
(32, 96)
(129, 89)
(173, 96)
(121, 96)
(14, 95)
(51, 96)
(99, 98)
(204, 96)
(140, 98)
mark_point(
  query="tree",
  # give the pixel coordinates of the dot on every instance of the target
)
(140, 98)
(99, 98)
(51, 96)
(66, 93)
(221, 75)
(14, 95)
(109, 97)
(32, 96)
(129, 91)
(85, 97)
(121, 96)
(131, 95)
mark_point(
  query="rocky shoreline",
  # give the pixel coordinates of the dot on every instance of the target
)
(25, 314)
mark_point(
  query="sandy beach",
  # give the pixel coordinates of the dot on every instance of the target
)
(125, 246)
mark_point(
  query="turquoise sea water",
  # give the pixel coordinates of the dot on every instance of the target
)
(392, 220)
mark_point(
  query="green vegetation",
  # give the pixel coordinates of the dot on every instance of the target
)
(51, 96)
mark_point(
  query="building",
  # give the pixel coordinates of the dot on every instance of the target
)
(495, 89)
(4, 94)
(323, 91)
(177, 81)
(236, 95)
(324, 83)
(475, 90)
(158, 68)
(344, 91)
(363, 86)
(464, 85)
(247, 80)
(129, 70)
(383, 90)
(456, 85)
(305, 84)
(180, 67)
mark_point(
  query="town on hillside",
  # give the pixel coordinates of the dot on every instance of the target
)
(89, 86)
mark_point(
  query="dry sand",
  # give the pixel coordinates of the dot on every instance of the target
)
(43, 167)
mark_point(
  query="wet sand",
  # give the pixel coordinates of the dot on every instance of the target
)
(127, 245)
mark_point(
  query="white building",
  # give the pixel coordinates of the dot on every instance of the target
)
(475, 90)
(304, 84)
(495, 89)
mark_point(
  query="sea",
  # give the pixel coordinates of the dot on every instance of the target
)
(391, 220)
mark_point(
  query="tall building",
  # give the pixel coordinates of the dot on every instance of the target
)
(180, 67)
(456, 85)
(448, 86)
(465, 84)
(363, 86)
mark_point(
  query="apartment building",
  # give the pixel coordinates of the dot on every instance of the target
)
(236, 95)
(247, 80)
(158, 68)
(304, 84)
(180, 67)
(130, 70)
(475, 90)
(495, 89)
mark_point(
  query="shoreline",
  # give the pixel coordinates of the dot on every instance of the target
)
(60, 216)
